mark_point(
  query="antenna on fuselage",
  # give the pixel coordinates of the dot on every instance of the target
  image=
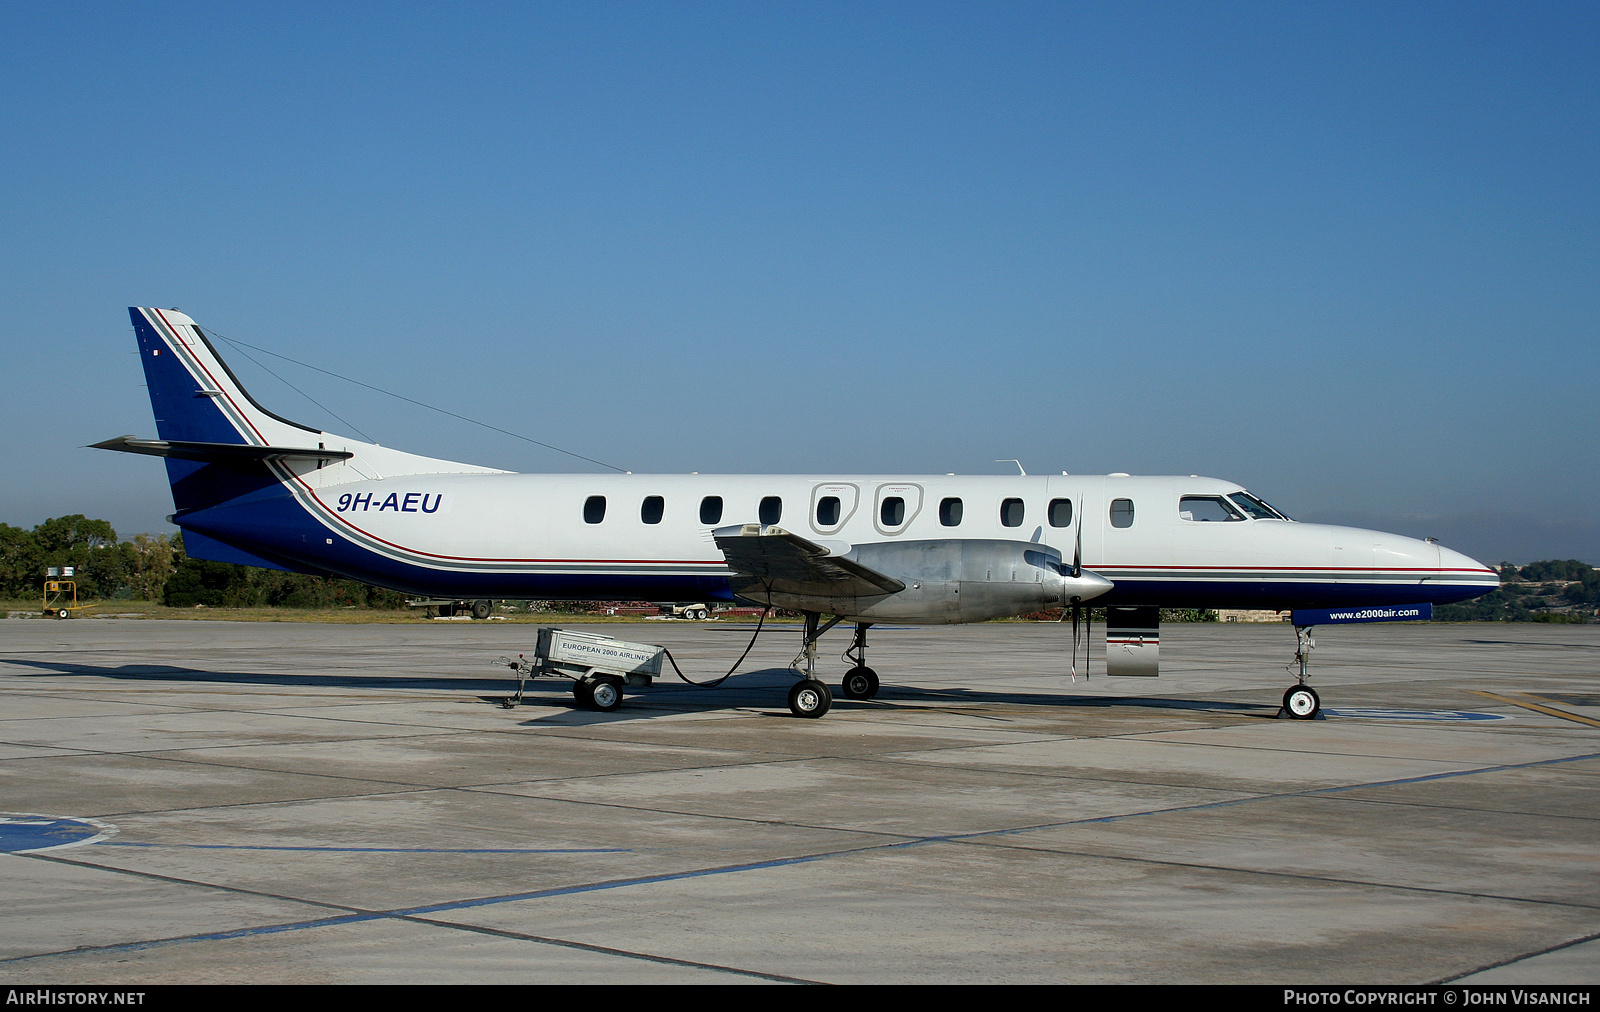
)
(1010, 460)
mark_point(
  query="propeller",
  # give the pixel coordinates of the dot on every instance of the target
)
(1078, 614)
(1087, 586)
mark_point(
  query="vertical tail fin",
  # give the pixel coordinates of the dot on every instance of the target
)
(194, 394)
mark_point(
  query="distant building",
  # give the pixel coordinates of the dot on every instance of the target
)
(1250, 615)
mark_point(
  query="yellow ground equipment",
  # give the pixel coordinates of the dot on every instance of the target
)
(61, 595)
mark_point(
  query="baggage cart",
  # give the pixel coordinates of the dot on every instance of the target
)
(599, 666)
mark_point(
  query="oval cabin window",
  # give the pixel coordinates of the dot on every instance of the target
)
(1122, 512)
(893, 511)
(711, 510)
(827, 511)
(594, 509)
(651, 509)
(1011, 513)
(771, 510)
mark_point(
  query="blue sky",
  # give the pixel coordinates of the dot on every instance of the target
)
(1344, 254)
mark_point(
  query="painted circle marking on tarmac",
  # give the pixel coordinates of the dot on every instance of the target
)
(1391, 713)
(31, 833)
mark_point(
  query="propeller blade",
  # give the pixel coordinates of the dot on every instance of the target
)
(1077, 548)
(1075, 610)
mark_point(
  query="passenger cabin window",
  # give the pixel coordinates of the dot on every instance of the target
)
(1011, 513)
(893, 511)
(1207, 509)
(711, 510)
(1060, 512)
(950, 512)
(651, 509)
(771, 510)
(1122, 512)
(828, 511)
(594, 509)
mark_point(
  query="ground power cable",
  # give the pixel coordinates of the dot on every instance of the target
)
(718, 681)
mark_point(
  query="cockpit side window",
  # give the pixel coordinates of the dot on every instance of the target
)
(1255, 508)
(1208, 509)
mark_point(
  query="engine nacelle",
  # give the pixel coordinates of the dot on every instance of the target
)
(946, 581)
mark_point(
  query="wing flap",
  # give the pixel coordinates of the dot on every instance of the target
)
(786, 563)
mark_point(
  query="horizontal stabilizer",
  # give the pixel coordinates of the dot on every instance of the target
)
(223, 453)
(789, 564)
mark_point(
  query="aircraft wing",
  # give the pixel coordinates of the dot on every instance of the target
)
(777, 561)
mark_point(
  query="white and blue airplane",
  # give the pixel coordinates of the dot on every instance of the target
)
(254, 488)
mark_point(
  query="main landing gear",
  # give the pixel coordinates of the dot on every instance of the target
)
(810, 696)
(1301, 702)
(860, 682)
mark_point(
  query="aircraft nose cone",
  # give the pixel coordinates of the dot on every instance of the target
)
(1085, 585)
(1464, 568)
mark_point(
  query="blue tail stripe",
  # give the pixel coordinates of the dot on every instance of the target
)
(182, 411)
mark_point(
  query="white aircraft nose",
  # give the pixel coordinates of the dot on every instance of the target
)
(1453, 564)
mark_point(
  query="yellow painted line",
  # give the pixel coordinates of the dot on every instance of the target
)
(1549, 710)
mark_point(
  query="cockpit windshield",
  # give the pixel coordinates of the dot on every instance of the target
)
(1255, 508)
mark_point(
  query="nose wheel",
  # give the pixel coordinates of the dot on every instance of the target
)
(1302, 703)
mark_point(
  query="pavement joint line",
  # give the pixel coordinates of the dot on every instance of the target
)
(1517, 959)
(1461, 808)
(801, 859)
(1312, 792)
(607, 950)
(1299, 876)
(416, 786)
(268, 802)
(401, 913)
(379, 850)
(1549, 711)
(716, 816)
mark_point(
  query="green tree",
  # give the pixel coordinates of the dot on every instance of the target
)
(21, 562)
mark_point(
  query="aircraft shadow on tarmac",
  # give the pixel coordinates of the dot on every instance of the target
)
(171, 673)
(765, 690)
(761, 689)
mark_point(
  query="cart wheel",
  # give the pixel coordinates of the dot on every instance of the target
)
(580, 692)
(606, 694)
(63, 613)
(481, 609)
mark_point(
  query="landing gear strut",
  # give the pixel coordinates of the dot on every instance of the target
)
(1301, 702)
(860, 682)
(810, 697)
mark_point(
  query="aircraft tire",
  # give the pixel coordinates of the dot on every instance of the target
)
(809, 698)
(1301, 702)
(860, 682)
(481, 609)
(606, 694)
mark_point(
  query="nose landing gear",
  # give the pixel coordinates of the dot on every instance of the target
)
(1301, 702)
